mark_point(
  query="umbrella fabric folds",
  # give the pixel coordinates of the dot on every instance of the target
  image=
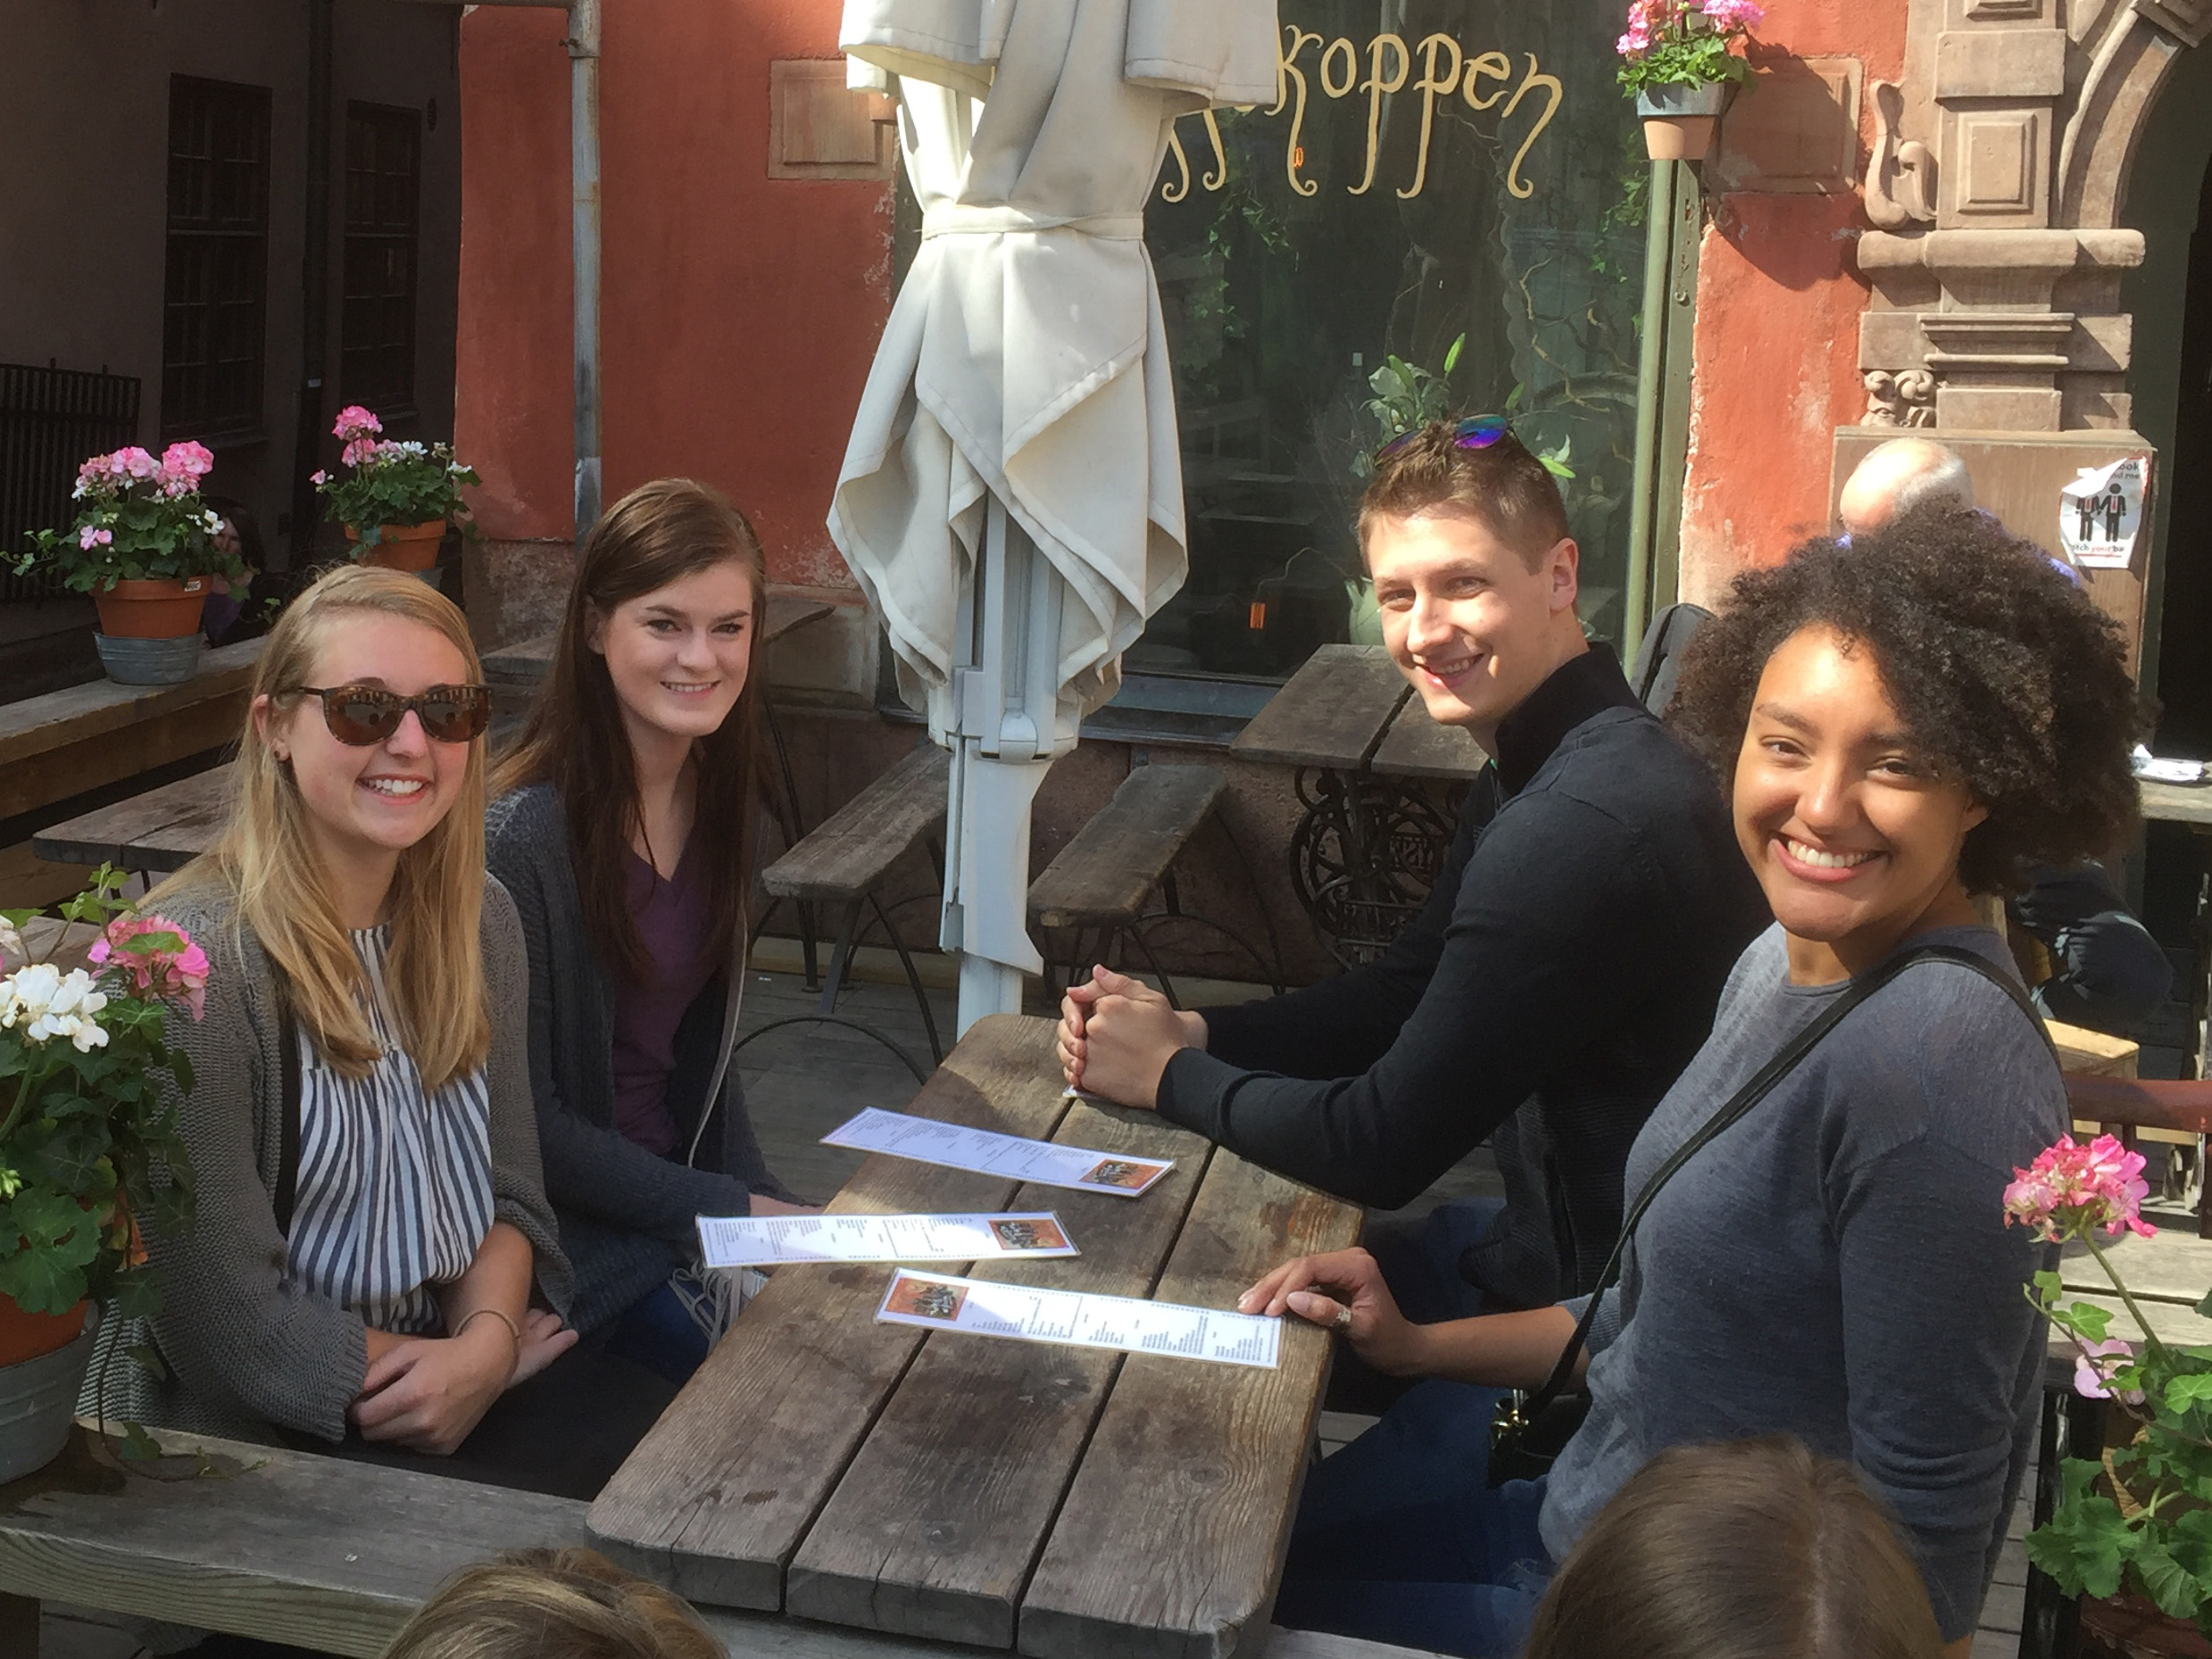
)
(1011, 499)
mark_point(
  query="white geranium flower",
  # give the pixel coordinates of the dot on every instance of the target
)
(11, 942)
(46, 1003)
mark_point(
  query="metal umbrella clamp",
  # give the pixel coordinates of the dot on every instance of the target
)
(1011, 499)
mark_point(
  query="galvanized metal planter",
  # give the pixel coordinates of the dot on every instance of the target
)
(150, 661)
(37, 1403)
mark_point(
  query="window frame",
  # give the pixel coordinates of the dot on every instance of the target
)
(392, 395)
(215, 261)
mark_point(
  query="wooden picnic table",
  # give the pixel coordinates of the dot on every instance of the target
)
(333, 1555)
(154, 834)
(1367, 846)
(1066, 1502)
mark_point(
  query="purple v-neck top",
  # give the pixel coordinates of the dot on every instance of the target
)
(671, 921)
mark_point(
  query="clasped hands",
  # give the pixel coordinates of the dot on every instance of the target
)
(1116, 1035)
(428, 1393)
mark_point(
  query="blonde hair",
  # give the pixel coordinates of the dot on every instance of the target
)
(552, 1604)
(435, 967)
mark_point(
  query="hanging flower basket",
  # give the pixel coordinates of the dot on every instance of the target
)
(1678, 120)
(1678, 61)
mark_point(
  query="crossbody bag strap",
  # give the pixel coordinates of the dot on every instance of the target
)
(1761, 1084)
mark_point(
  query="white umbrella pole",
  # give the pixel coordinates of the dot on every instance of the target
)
(1009, 727)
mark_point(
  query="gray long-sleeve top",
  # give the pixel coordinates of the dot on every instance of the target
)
(1837, 1266)
(628, 1217)
(245, 1343)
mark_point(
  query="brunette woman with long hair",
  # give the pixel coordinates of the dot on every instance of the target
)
(375, 1269)
(623, 826)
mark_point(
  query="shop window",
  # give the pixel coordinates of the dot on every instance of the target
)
(383, 187)
(215, 288)
(1441, 183)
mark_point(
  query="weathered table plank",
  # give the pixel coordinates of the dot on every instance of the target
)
(716, 1499)
(285, 1545)
(1174, 1531)
(160, 831)
(1417, 746)
(1331, 713)
(934, 1529)
(1110, 865)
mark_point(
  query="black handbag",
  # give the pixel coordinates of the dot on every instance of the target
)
(1530, 1430)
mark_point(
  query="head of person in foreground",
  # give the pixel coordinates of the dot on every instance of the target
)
(552, 1604)
(1475, 575)
(1904, 721)
(1896, 476)
(1754, 1550)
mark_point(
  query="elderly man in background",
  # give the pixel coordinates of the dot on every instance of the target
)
(2107, 972)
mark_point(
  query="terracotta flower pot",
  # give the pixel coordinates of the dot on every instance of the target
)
(1678, 120)
(26, 1335)
(403, 546)
(2128, 1625)
(152, 608)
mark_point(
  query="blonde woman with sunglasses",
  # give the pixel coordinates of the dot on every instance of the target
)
(375, 1268)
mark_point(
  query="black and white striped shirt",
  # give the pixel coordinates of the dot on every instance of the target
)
(395, 1182)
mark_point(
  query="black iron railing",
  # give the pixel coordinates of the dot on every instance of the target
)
(50, 421)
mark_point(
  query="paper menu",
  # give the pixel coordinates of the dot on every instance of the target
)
(772, 1241)
(987, 1152)
(1027, 1314)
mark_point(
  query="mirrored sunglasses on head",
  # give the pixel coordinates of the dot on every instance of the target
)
(362, 714)
(1475, 432)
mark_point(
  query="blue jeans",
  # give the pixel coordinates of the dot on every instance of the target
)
(1400, 1538)
(657, 1332)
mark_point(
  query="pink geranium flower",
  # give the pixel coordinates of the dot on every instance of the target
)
(2070, 1189)
(172, 974)
(2098, 1363)
(89, 537)
(359, 450)
(355, 422)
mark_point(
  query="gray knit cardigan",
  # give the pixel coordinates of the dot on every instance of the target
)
(628, 1219)
(245, 1345)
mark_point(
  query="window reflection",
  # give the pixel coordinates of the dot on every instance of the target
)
(1435, 174)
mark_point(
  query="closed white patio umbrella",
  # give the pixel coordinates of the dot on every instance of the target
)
(1011, 499)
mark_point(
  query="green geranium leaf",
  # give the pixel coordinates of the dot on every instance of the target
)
(2170, 1584)
(2084, 1546)
(137, 1446)
(149, 1361)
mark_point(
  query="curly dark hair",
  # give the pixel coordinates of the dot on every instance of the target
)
(2007, 677)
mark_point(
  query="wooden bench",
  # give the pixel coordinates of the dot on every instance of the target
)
(1104, 877)
(87, 744)
(334, 1556)
(842, 862)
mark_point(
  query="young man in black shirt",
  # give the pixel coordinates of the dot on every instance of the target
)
(1565, 966)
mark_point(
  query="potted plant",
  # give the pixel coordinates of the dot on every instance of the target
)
(2133, 1530)
(1678, 63)
(149, 551)
(85, 1121)
(397, 499)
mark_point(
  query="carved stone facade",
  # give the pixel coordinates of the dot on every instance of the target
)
(1995, 182)
(1994, 186)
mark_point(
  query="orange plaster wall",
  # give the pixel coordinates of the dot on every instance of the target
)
(1776, 351)
(739, 314)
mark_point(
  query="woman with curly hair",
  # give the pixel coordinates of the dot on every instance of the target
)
(1902, 723)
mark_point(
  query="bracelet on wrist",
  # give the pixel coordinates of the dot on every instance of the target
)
(513, 1329)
